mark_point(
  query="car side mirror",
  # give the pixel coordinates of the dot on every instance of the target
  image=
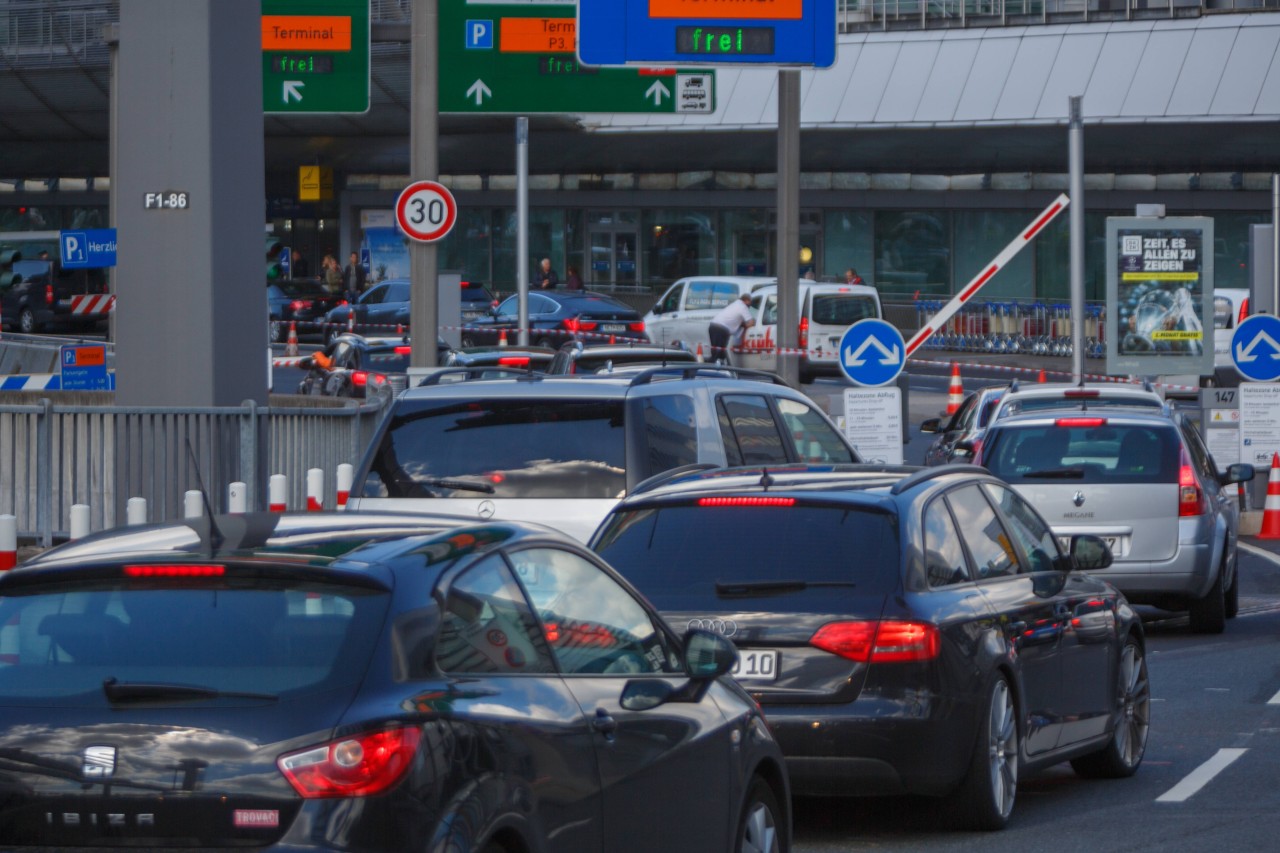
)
(708, 655)
(1239, 472)
(1089, 552)
(643, 694)
(931, 425)
(657, 309)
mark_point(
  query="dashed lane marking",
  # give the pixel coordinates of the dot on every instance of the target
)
(1201, 776)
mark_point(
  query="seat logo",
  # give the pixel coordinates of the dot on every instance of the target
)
(99, 762)
(725, 627)
(1078, 499)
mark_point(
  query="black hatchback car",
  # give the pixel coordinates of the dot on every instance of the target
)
(556, 317)
(906, 630)
(366, 682)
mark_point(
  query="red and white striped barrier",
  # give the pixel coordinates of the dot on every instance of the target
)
(315, 489)
(345, 474)
(1088, 377)
(91, 304)
(8, 542)
(277, 493)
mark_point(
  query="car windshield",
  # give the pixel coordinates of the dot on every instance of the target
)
(273, 639)
(842, 309)
(692, 557)
(1103, 453)
(510, 448)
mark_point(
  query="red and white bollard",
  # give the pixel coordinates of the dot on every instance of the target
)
(79, 521)
(345, 474)
(277, 493)
(135, 511)
(315, 489)
(8, 542)
(237, 497)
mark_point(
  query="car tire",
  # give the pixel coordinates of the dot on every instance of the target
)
(1231, 598)
(761, 829)
(987, 793)
(1209, 614)
(27, 322)
(1123, 753)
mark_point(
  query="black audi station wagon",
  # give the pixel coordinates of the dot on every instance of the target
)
(906, 630)
(333, 681)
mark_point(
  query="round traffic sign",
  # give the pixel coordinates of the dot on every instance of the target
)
(1255, 348)
(426, 211)
(872, 352)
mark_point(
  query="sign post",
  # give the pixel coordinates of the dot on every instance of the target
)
(315, 56)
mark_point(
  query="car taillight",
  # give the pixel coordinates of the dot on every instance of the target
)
(804, 333)
(1190, 498)
(747, 500)
(1244, 310)
(357, 766)
(1080, 422)
(514, 361)
(48, 294)
(361, 378)
(885, 641)
(1081, 392)
(176, 571)
(577, 324)
(405, 350)
(300, 304)
(637, 327)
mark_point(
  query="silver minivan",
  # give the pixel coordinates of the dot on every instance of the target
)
(1145, 482)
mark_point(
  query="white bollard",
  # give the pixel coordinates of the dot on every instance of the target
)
(8, 541)
(135, 511)
(315, 489)
(277, 493)
(79, 521)
(237, 497)
(192, 504)
(345, 473)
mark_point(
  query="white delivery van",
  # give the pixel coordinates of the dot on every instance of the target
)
(826, 311)
(685, 310)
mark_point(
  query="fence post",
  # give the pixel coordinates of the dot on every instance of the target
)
(45, 473)
(250, 464)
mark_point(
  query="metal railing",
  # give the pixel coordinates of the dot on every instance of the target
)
(81, 449)
(863, 15)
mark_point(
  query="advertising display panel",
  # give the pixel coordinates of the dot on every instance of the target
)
(1159, 295)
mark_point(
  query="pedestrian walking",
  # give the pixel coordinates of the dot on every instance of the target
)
(354, 278)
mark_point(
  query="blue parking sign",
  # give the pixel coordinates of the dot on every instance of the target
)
(479, 35)
(88, 249)
(872, 352)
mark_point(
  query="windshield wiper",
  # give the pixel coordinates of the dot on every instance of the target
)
(1057, 474)
(142, 691)
(728, 588)
(460, 485)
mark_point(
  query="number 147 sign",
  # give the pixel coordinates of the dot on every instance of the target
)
(426, 211)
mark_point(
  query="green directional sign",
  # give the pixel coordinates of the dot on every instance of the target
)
(522, 58)
(315, 56)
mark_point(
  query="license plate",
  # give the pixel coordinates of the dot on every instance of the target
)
(613, 327)
(756, 665)
(1119, 545)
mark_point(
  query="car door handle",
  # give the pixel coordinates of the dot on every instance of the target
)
(604, 723)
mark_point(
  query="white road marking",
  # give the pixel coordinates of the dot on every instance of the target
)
(1274, 559)
(1274, 700)
(1201, 776)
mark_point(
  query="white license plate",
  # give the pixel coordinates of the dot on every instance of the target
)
(613, 327)
(1119, 545)
(756, 665)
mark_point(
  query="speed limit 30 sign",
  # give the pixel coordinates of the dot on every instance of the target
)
(426, 211)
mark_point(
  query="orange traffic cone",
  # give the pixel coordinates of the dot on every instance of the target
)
(955, 394)
(699, 352)
(1042, 376)
(613, 339)
(502, 337)
(1271, 509)
(291, 345)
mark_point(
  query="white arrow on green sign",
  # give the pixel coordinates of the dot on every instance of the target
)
(507, 58)
(315, 56)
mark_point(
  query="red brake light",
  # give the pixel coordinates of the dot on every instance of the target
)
(48, 294)
(514, 360)
(361, 378)
(405, 350)
(804, 333)
(1080, 422)
(299, 304)
(747, 500)
(637, 326)
(1190, 499)
(164, 571)
(1244, 310)
(887, 641)
(1081, 392)
(357, 766)
(577, 324)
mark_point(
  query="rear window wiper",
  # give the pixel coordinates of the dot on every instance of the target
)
(730, 588)
(142, 691)
(460, 485)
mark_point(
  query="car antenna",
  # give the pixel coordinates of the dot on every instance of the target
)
(765, 480)
(215, 535)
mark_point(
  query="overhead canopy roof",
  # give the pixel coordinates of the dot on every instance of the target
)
(1196, 94)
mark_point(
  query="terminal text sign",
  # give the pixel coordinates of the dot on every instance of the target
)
(315, 56)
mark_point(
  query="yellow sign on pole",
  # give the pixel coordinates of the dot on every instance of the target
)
(315, 183)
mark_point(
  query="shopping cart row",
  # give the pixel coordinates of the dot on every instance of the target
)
(1034, 328)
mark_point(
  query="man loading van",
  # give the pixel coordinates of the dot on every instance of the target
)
(729, 324)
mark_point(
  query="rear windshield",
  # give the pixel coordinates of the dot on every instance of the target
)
(60, 644)
(676, 555)
(1092, 454)
(842, 309)
(472, 292)
(1039, 404)
(502, 449)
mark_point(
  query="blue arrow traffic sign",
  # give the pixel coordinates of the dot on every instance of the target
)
(872, 352)
(1255, 348)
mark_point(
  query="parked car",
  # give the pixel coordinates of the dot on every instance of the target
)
(476, 300)
(825, 312)
(577, 357)
(556, 317)
(684, 311)
(303, 301)
(327, 681)
(382, 309)
(1142, 480)
(527, 358)
(961, 438)
(561, 450)
(39, 296)
(355, 364)
(1025, 397)
(1230, 308)
(906, 630)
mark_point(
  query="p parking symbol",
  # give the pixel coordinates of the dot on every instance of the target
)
(73, 248)
(479, 35)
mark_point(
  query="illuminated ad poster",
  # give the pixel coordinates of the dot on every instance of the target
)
(1159, 294)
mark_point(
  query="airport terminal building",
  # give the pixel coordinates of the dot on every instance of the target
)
(934, 138)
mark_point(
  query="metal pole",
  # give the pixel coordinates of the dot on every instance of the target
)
(1076, 157)
(424, 164)
(788, 224)
(112, 34)
(522, 227)
(1275, 243)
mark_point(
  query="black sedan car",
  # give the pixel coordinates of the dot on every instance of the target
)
(906, 630)
(303, 301)
(333, 681)
(556, 317)
(576, 357)
(353, 365)
(383, 309)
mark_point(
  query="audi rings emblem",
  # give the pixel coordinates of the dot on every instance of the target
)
(486, 510)
(724, 627)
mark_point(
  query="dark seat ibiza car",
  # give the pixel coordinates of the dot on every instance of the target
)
(366, 682)
(906, 630)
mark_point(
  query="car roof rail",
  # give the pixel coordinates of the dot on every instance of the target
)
(667, 476)
(926, 474)
(707, 371)
(475, 372)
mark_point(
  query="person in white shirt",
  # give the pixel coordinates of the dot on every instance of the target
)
(732, 320)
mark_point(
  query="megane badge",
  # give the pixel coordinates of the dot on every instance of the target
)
(99, 762)
(1078, 499)
(486, 509)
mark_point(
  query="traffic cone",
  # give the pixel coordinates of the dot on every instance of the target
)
(291, 345)
(955, 394)
(502, 337)
(1042, 376)
(700, 352)
(613, 339)
(1271, 509)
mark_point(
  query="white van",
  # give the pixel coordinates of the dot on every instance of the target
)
(685, 310)
(826, 311)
